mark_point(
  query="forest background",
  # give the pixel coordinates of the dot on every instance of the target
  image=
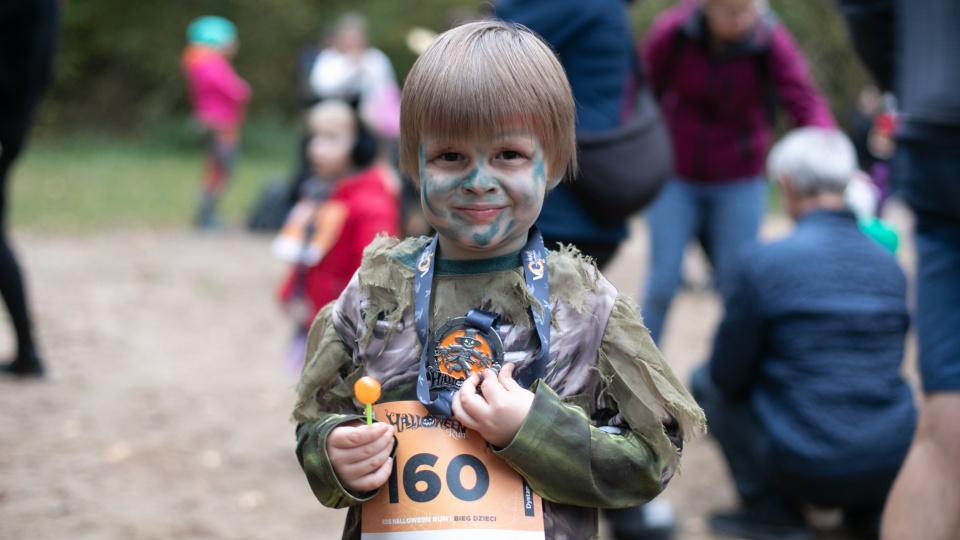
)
(118, 67)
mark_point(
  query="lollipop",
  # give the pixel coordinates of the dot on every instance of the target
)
(367, 390)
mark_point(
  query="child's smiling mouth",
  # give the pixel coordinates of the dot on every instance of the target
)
(480, 212)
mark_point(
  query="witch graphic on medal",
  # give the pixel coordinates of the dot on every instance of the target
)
(458, 350)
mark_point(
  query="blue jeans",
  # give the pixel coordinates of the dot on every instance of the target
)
(723, 217)
(931, 185)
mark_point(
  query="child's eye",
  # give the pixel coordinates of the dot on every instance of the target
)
(510, 154)
(450, 156)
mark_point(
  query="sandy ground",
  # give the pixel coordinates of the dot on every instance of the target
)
(165, 411)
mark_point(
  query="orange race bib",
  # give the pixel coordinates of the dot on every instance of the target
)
(447, 480)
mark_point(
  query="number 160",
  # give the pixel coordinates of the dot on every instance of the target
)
(413, 476)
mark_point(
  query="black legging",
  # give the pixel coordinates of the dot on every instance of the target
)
(11, 281)
(28, 30)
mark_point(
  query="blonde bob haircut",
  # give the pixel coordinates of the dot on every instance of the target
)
(484, 78)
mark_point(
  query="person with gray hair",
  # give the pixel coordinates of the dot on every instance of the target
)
(830, 172)
(803, 387)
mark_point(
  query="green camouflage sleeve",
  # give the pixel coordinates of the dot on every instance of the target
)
(313, 458)
(324, 401)
(650, 398)
(567, 460)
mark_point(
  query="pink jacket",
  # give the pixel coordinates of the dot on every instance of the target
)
(715, 105)
(219, 96)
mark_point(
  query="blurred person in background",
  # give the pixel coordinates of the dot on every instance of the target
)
(347, 68)
(911, 49)
(803, 388)
(350, 69)
(347, 202)
(219, 98)
(719, 68)
(28, 31)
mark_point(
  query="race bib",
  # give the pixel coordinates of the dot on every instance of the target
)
(446, 480)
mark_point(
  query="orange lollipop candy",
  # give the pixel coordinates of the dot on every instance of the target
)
(367, 390)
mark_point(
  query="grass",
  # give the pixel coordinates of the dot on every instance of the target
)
(85, 186)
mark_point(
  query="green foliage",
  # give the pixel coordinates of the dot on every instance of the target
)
(118, 70)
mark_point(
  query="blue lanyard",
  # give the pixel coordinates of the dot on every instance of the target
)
(533, 257)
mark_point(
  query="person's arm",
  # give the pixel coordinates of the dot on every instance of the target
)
(324, 402)
(331, 217)
(795, 87)
(735, 359)
(225, 80)
(569, 458)
(871, 26)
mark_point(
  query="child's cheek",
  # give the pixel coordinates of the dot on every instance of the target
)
(540, 173)
(428, 197)
(435, 195)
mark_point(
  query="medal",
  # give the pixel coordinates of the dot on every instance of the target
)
(458, 350)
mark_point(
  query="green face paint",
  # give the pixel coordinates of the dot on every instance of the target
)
(482, 195)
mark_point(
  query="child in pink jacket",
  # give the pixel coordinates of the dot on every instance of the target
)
(219, 98)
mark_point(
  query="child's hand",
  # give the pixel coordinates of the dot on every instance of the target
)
(499, 412)
(360, 454)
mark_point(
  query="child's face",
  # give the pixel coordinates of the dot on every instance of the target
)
(482, 195)
(330, 145)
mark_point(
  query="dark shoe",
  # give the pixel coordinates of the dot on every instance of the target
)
(28, 366)
(761, 523)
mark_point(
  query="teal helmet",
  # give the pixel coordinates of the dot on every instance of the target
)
(212, 31)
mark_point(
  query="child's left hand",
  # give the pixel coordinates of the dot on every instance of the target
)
(499, 412)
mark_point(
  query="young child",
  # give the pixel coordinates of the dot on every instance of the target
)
(520, 391)
(349, 201)
(219, 98)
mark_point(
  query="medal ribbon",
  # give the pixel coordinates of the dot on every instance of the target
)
(534, 259)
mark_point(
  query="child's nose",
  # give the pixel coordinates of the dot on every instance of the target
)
(481, 182)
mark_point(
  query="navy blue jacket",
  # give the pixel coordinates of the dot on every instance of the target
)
(813, 336)
(595, 44)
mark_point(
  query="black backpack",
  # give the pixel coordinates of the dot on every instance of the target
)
(622, 170)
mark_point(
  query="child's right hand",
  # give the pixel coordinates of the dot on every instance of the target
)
(360, 454)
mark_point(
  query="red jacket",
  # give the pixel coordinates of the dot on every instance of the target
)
(714, 104)
(372, 209)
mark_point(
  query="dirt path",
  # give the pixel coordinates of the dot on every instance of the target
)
(164, 414)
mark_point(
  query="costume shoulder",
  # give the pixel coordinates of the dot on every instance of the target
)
(574, 278)
(385, 279)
